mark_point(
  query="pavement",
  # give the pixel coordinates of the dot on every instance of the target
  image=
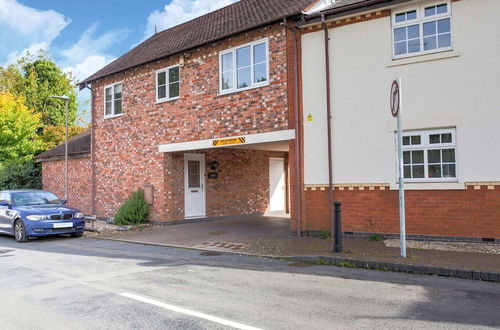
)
(271, 236)
(85, 283)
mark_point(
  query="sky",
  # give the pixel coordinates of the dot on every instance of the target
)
(84, 36)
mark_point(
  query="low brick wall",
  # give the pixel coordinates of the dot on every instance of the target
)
(79, 181)
(473, 212)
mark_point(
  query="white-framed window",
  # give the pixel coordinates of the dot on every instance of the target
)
(430, 155)
(423, 29)
(113, 105)
(168, 83)
(244, 67)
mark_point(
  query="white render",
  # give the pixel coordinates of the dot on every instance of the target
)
(458, 88)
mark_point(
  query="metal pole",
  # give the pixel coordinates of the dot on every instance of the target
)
(402, 220)
(337, 245)
(66, 156)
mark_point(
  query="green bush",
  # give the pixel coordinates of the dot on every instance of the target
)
(134, 211)
(376, 238)
(324, 234)
(21, 175)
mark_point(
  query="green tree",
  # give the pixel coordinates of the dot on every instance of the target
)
(55, 135)
(21, 175)
(37, 78)
(18, 130)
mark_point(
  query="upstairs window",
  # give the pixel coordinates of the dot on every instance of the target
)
(422, 30)
(429, 155)
(113, 100)
(167, 84)
(244, 67)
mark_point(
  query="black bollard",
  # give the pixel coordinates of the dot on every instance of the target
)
(337, 245)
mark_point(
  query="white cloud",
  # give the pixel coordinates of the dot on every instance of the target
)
(180, 11)
(25, 28)
(90, 52)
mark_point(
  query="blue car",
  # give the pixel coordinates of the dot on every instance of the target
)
(34, 213)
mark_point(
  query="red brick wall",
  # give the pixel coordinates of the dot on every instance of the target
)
(465, 213)
(126, 147)
(79, 181)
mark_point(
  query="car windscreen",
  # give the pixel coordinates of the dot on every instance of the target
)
(27, 198)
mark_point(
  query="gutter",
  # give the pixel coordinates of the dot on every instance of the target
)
(347, 10)
(298, 176)
(329, 123)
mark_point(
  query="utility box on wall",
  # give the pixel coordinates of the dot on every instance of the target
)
(148, 194)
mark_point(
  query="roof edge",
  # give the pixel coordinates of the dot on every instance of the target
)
(87, 81)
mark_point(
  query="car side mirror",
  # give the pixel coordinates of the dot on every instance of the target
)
(63, 202)
(4, 203)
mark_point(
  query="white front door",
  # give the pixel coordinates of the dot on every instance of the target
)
(194, 185)
(276, 184)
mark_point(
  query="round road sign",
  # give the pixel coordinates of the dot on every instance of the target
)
(394, 98)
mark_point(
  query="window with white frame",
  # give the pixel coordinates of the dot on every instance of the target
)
(422, 29)
(429, 155)
(244, 67)
(168, 83)
(113, 100)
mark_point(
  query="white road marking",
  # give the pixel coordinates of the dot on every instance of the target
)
(215, 319)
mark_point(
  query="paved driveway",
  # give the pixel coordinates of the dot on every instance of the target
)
(242, 233)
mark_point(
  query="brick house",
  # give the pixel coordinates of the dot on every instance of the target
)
(450, 89)
(199, 116)
(235, 112)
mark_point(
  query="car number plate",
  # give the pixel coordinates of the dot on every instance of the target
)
(63, 225)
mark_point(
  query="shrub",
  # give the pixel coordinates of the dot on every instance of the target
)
(134, 211)
(375, 237)
(21, 175)
(324, 234)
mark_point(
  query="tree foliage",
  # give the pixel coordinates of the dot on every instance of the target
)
(21, 175)
(55, 135)
(18, 130)
(134, 211)
(41, 79)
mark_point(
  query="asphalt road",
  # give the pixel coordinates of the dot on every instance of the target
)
(63, 283)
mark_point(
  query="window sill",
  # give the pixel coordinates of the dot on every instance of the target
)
(430, 186)
(113, 116)
(232, 91)
(420, 58)
(158, 101)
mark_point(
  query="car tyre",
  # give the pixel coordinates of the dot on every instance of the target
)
(20, 231)
(76, 235)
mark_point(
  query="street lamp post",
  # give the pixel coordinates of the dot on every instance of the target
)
(66, 99)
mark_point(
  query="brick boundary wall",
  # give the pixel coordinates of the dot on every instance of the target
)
(472, 212)
(79, 181)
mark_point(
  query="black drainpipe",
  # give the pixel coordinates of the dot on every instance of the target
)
(298, 190)
(329, 123)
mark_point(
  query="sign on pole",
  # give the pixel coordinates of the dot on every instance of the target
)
(396, 106)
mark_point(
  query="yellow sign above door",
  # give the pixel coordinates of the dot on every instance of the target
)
(228, 141)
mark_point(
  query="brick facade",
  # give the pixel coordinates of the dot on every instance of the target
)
(79, 181)
(126, 147)
(242, 186)
(473, 212)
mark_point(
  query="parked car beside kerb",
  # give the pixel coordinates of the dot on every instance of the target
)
(34, 213)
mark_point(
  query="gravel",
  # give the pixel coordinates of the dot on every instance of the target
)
(447, 246)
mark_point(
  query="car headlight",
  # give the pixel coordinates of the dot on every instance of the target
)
(78, 215)
(37, 217)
